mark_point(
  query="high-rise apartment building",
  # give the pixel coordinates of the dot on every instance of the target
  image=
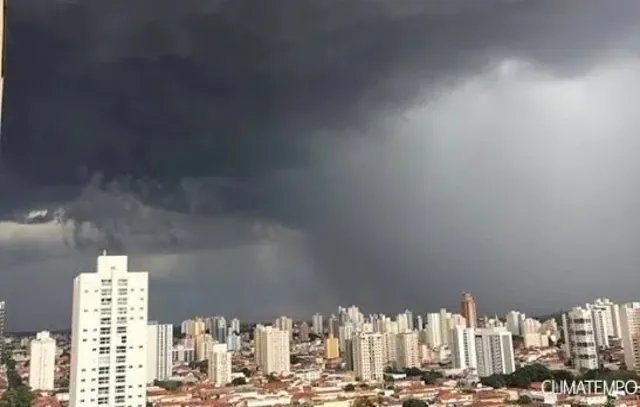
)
(220, 361)
(331, 348)
(219, 329)
(390, 347)
(580, 340)
(159, 351)
(463, 349)
(514, 322)
(234, 326)
(109, 336)
(368, 358)
(2, 323)
(333, 325)
(345, 332)
(203, 344)
(193, 327)
(445, 332)
(317, 326)
(272, 350)
(407, 350)
(494, 352)
(630, 333)
(434, 331)
(42, 362)
(468, 310)
(602, 326)
(284, 324)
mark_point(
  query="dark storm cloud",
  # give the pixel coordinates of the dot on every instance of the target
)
(376, 152)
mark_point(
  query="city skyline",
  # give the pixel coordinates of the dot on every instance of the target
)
(420, 149)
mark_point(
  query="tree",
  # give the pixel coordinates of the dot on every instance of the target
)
(17, 397)
(431, 377)
(363, 402)
(239, 381)
(246, 371)
(413, 372)
(414, 403)
(349, 387)
(524, 399)
(170, 385)
(294, 359)
(496, 381)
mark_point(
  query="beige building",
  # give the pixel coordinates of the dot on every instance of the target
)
(630, 332)
(331, 348)
(368, 356)
(272, 350)
(408, 351)
(220, 361)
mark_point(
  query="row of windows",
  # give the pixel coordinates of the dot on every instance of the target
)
(121, 281)
(109, 291)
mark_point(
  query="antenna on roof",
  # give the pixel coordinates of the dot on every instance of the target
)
(104, 252)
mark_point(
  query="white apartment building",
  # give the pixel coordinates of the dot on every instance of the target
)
(345, 333)
(434, 334)
(109, 336)
(494, 352)
(611, 317)
(220, 361)
(2, 303)
(368, 357)
(390, 347)
(159, 351)
(630, 333)
(445, 332)
(529, 326)
(193, 327)
(580, 345)
(408, 351)
(463, 349)
(515, 320)
(536, 340)
(317, 326)
(234, 325)
(203, 344)
(403, 322)
(601, 326)
(284, 324)
(272, 350)
(42, 362)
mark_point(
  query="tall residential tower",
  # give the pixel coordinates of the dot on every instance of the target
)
(109, 336)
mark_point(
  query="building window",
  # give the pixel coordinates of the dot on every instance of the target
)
(106, 282)
(103, 370)
(122, 300)
(105, 321)
(121, 330)
(121, 320)
(122, 311)
(121, 349)
(106, 292)
(105, 301)
(105, 331)
(122, 291)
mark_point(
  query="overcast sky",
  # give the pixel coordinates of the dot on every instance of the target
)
(287, 157)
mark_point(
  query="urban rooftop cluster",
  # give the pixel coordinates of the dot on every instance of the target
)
(116, 357)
